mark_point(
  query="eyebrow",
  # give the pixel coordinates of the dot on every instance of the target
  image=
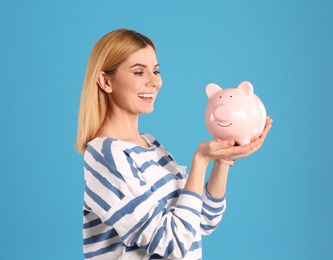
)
(143, 65)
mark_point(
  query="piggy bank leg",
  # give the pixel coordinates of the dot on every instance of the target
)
(243, 141)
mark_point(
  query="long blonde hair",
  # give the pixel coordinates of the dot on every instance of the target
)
(108, 53)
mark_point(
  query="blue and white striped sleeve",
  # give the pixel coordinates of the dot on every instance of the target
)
(117, 193)
(212, 212)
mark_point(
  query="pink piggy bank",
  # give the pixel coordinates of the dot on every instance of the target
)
(234, 113)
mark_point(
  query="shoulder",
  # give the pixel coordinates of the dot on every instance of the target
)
(101, 143)
(151, 139)
(104, 148)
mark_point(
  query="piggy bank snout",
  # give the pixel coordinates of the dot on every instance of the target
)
(223, 113)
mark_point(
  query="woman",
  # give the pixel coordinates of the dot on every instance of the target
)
(138, 203)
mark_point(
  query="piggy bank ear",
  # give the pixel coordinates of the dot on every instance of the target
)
(211, 89)
(246, 87)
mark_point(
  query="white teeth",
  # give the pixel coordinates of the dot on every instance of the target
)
(146, 95)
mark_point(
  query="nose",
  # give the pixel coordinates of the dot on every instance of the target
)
(224, 113)
(154, 80)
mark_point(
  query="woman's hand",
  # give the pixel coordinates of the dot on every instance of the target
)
(226, 150)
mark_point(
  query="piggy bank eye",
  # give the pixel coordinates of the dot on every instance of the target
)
(220, 96)
(231, 96)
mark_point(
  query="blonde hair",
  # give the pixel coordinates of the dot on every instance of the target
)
(108, 53)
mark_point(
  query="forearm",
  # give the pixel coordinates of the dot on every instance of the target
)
(217, 183)
(196, 178)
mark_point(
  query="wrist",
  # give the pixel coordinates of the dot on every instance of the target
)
(201, 159)
(226, 162)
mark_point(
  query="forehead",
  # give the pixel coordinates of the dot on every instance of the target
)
(146, 56)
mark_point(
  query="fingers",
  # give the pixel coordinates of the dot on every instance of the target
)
(237, 152)
(219, 144)
(211, 150)
(268, 126)
(252, 147)
(258, 142)
(227, 150)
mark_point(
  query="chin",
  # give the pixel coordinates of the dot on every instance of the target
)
(147, 111)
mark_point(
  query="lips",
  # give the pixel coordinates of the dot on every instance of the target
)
(146, 95)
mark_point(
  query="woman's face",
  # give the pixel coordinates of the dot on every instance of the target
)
(136, 83)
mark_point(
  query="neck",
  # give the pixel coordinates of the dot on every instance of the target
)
(122, 127)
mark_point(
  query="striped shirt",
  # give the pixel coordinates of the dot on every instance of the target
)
(135, 206)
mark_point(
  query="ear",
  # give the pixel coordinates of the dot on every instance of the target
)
(211, 89)
(104, 82)
(246, 87)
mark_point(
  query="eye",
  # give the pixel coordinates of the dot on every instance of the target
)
(220, 96)
(138, 73)
(156, 72)
(231, 96)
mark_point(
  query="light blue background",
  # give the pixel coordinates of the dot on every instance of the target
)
(280, 200)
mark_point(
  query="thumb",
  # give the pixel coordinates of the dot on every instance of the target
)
(225, 144)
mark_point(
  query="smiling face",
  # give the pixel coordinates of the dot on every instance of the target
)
(135, 84)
